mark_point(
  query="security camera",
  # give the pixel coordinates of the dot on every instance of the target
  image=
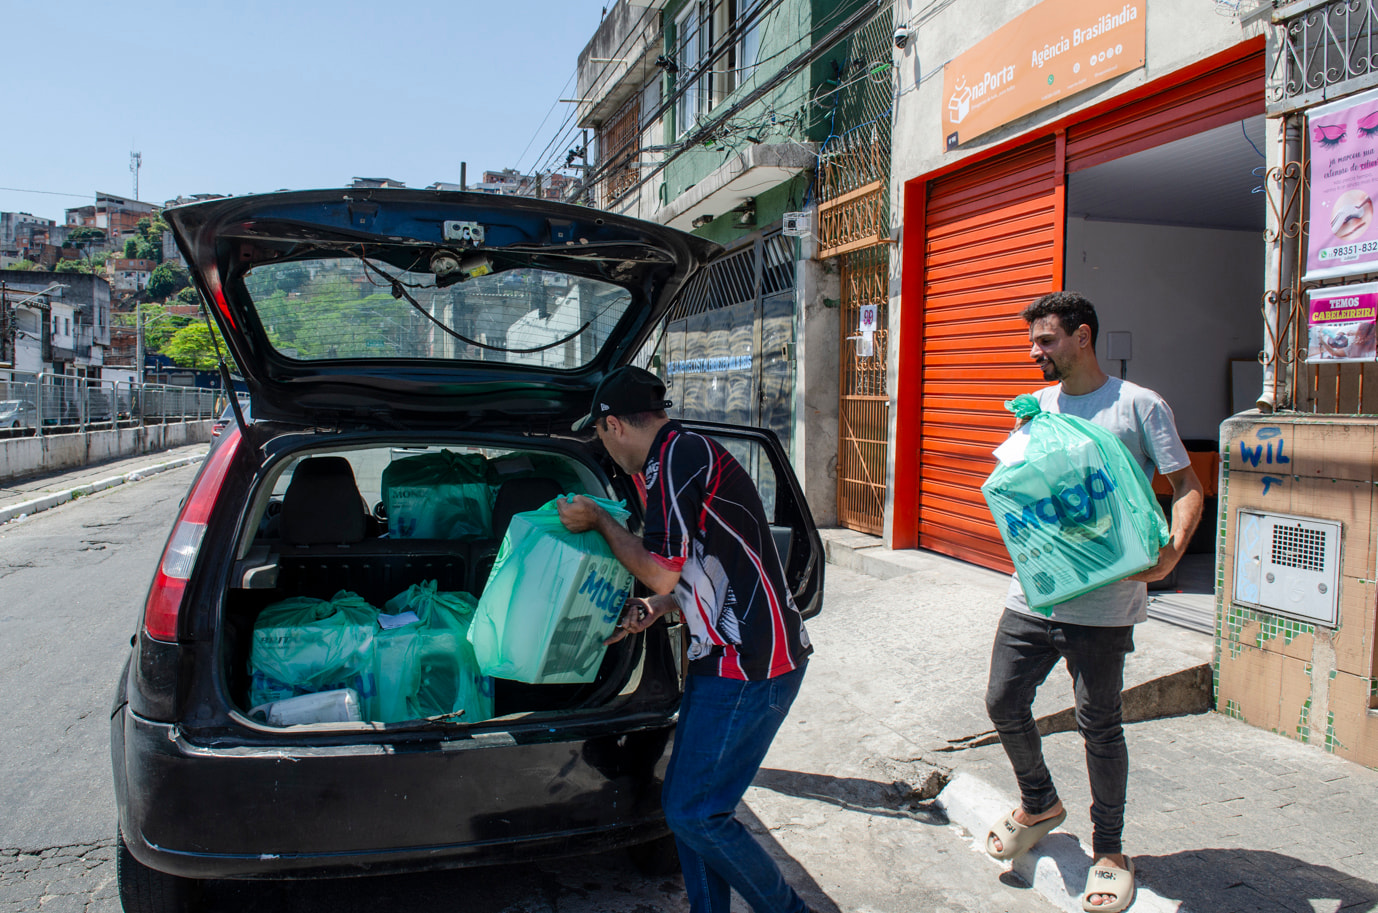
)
(901, 36)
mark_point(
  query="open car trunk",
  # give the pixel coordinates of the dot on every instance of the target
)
(362, 522)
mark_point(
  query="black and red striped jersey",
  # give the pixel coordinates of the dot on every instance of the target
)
(704, 519)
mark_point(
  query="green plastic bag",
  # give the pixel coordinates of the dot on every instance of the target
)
(305, 645)
(447, 679)
(397, 668)
(551, 600)
(1073, 507)
(442, 495)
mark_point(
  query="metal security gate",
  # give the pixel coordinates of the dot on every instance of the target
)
(728, 349)
(854, 227)
(864, 405)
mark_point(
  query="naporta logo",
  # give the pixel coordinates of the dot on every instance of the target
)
(959, 105)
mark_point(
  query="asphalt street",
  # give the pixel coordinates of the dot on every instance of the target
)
(846, 811)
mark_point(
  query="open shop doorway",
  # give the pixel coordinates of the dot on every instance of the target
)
(1168, 244)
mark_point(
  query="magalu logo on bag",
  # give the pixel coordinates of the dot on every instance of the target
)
(1069, 509)
(601, 592)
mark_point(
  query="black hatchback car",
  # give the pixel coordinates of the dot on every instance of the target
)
(375, 327)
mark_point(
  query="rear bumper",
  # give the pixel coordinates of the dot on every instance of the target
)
(205, 811)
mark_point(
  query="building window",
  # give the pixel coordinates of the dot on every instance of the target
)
(689, 55)
(749, 21)
(617, 141)
(725, 33)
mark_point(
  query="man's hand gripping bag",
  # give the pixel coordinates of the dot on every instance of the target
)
(551, 600)
(1073, 507)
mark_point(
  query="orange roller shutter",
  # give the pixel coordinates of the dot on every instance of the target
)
(993, 242)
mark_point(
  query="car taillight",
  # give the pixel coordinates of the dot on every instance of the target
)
(179, 556)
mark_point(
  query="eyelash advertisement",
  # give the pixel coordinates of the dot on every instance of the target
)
(1343, 141)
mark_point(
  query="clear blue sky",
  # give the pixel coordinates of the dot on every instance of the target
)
(249, 97)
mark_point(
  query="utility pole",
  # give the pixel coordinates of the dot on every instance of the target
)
(136, 161)
(7, 339)
(138, 342)
(9, 324)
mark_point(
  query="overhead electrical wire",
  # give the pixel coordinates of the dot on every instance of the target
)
(816, 50)
(612, 61)
(687, 79)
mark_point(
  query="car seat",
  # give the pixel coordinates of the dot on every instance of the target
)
(322, 505)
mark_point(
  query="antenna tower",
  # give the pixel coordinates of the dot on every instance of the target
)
(136, 161)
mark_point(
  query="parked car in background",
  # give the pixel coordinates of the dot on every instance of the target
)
(18, 413)
(227, 419)
(379, 329)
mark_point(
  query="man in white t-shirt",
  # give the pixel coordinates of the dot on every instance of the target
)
(1092, 632)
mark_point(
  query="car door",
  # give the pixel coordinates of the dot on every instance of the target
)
(791, 522)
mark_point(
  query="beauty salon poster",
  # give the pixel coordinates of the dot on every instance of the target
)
(1342, 324)
(1343, 139)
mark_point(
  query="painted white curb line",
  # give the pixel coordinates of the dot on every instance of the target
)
(28, 508)
(1056, 867)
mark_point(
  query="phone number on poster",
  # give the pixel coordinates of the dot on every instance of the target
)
(1349, 251)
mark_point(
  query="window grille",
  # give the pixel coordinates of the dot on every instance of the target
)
(617, 140)
(1325, 50)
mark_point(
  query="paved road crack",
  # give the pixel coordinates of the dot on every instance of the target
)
(7, 569)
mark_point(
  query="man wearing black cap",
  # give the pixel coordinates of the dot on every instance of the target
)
(706, 552)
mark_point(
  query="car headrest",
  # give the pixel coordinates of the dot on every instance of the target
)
(323, 505)
(518, 495)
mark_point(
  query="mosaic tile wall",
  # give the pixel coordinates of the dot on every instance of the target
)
(1265, 664)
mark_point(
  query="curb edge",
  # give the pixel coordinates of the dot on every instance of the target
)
(972, 804)
(54, 499)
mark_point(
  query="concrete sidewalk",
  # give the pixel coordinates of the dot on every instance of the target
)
(24, 497)
(1221, 815)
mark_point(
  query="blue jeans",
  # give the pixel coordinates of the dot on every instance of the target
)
(725, 728)
(1026, 650)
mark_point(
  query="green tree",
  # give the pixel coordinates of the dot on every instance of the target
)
(85, 234)
(21, 264)
(74, 266)
(131, 248)
(167, 279)
(189, 295)
(160, 326)
(150, 229)
(192, 346)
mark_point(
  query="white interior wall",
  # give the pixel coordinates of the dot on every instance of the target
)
(1189, 296)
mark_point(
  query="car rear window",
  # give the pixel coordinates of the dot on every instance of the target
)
(343, 308)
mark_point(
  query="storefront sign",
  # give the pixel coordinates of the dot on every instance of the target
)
(1344, 324)
(1344, 181)
(1055, 49)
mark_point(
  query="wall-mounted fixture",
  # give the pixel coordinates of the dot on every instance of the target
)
(1288, 565)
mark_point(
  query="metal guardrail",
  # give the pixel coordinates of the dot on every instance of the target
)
(57, 404)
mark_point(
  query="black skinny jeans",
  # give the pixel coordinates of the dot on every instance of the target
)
(1026, 649)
